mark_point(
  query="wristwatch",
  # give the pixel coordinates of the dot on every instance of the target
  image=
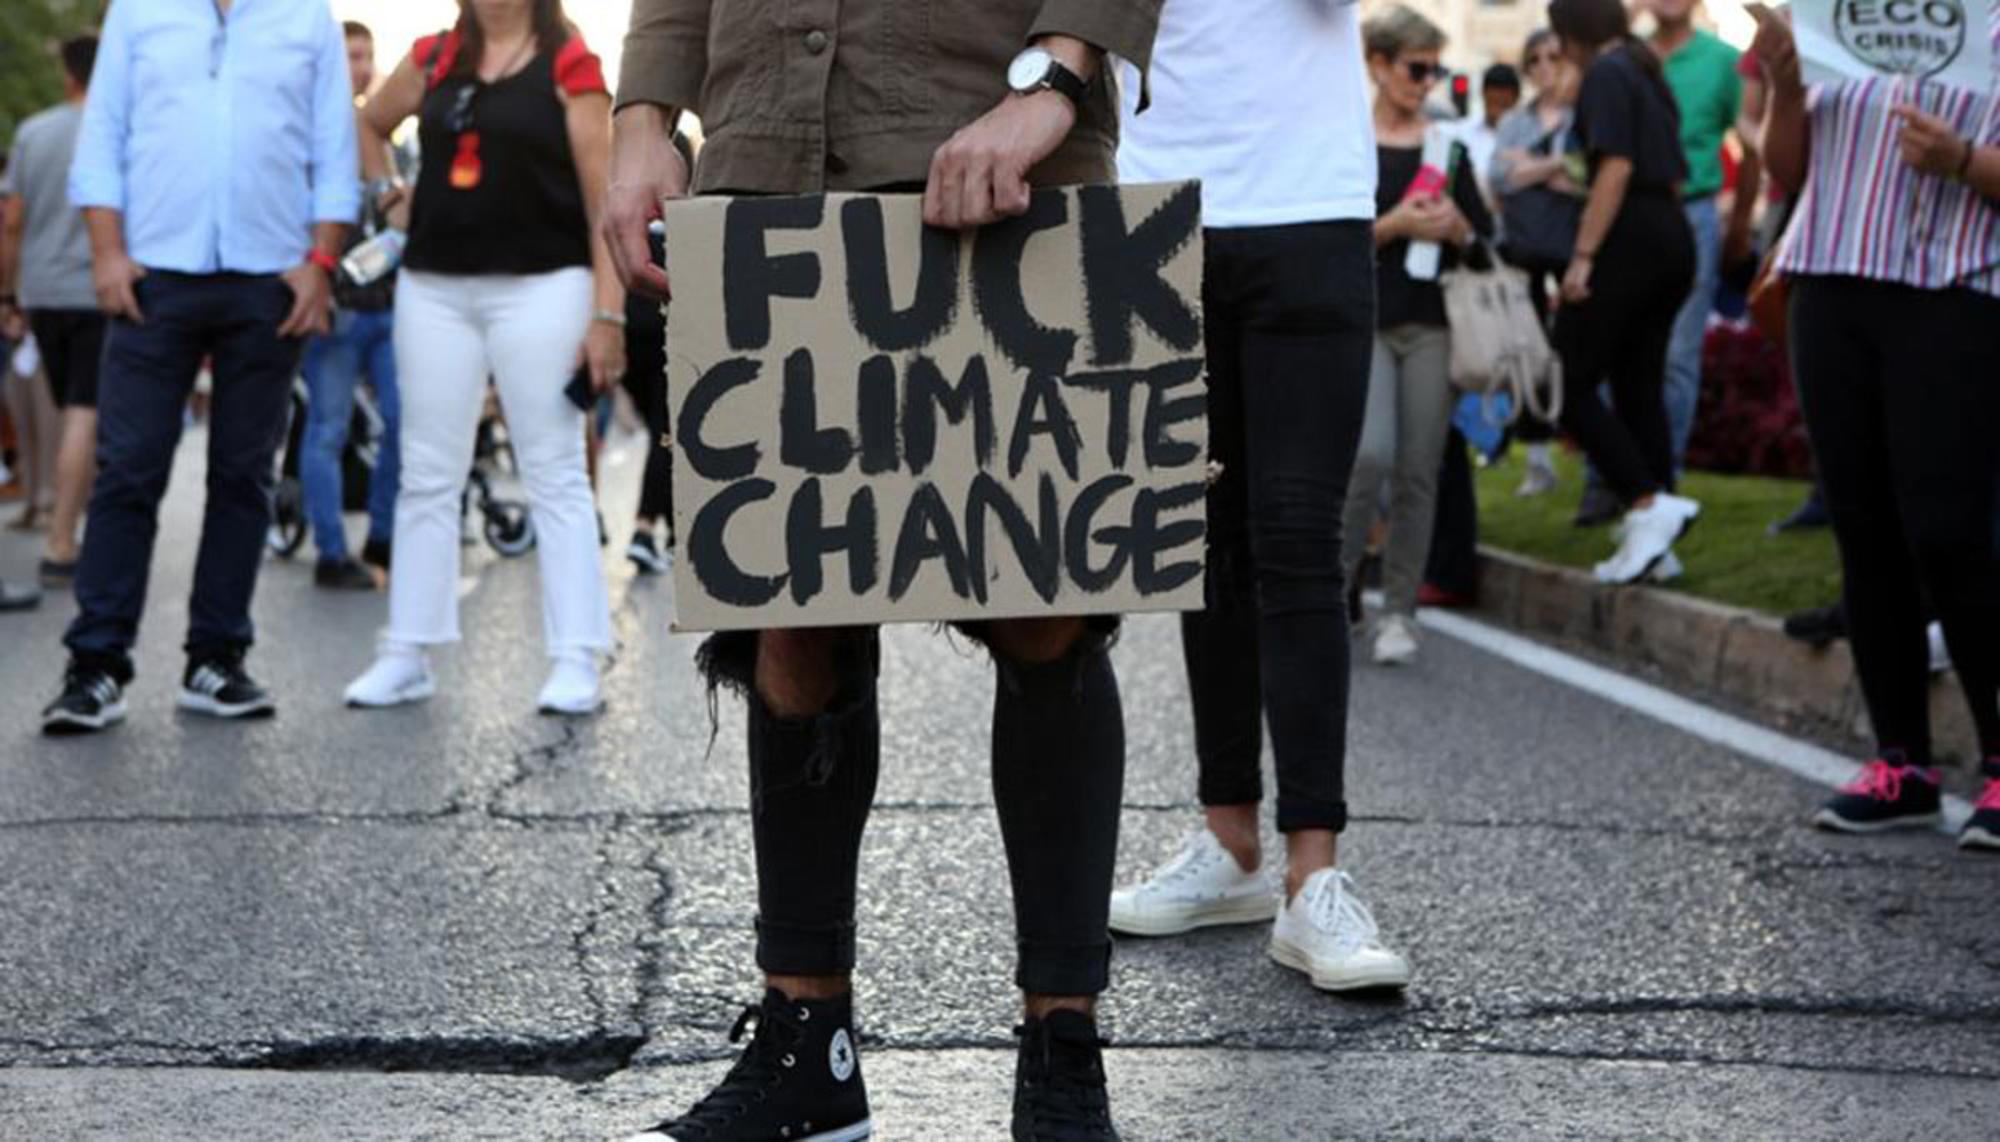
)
(1036, 70)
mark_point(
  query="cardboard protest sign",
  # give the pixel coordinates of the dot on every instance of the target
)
(1940, 41)
(877, 421)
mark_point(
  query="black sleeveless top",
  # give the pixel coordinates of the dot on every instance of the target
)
(523, 213)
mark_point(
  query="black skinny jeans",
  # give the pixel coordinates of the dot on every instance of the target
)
(1289, 313)
(1901, 392)
(1058, 774)
(1619, 335)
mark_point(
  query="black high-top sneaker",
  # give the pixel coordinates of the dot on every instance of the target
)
(799, 1080)
(1059, 1093)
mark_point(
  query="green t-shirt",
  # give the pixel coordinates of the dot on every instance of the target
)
(1703, 76)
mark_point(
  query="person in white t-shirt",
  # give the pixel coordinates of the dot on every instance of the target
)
(1265, 102)
(1499, 92)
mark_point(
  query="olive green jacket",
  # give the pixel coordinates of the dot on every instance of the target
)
(808, 95)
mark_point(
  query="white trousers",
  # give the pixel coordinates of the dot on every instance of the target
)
(452, 332)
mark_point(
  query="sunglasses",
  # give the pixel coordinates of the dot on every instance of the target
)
(460, 117)
(1422, 71)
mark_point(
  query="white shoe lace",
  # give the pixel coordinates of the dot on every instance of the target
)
(1194, 857)
(1333, 908)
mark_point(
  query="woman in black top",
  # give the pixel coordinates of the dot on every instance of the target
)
(503, 277)
(1410, 396)
(1632, 266)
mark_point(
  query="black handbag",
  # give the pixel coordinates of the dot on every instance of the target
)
(1539, 223)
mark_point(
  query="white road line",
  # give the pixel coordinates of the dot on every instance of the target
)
(1800, 758)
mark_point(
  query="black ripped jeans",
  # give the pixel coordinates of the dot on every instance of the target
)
(1290, 322)
(1058, 773)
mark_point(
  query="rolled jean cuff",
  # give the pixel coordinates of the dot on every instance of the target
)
(1226, 784)
(805, 949)
(1064, 969)
(1297, 814)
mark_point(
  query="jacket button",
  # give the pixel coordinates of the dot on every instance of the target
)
(816, 41)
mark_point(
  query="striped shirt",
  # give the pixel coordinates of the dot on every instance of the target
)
(1866, 213)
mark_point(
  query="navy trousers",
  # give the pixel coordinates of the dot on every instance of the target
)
(230, 320)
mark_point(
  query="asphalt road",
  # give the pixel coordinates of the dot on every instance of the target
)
(465, 920)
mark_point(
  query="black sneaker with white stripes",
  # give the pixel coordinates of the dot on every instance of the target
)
(799, 1080)
(92, 699)
(217, 685)
(646, 555)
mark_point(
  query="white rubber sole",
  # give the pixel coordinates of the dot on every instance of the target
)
(403, 695)
(855, 1133)
(1974, 837)
(1291, 956)
(1828, 819)
(1400, 658)
(1261, 909)
(551, 710)
(648, 564)
(195, 702)
(65, 722)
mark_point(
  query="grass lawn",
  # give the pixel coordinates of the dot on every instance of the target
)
(1729, 557)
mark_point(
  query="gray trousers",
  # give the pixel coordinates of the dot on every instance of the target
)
(1402, 440)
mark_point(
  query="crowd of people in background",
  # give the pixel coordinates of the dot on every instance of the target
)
(190, 211)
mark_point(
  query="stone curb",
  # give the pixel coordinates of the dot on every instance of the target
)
(1739, 654)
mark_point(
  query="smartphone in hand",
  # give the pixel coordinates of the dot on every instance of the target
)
(579, 391)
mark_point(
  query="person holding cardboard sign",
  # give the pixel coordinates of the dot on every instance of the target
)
(1004, 95)
(1893, 263)
(1289, 301)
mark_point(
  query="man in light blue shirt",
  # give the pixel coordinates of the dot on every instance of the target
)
(216, 172)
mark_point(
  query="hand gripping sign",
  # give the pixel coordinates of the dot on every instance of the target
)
(1941, 41)
(878, 421)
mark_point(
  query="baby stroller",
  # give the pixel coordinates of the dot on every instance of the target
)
(505, 524)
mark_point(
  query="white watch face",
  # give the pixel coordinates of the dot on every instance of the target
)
(1029, 69)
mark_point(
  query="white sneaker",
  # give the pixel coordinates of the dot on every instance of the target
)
(399, 675)
(1200, 887)
(1538, 480)
(572, 686)
(1667, 569)
(1940, 654)
(1395, 640)
(1329, 934)
(1648, 533)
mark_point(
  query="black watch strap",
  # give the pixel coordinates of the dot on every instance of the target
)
(1061, 80)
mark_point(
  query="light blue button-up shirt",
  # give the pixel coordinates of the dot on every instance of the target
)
(222, 138)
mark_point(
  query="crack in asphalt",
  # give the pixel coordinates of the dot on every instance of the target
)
(650, 973)
(580, 939)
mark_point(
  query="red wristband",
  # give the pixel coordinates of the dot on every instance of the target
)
(323, 260)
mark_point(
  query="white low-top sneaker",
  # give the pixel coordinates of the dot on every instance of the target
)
(1648, 534)
(1200, 887)
(1395, 640)
(398, 676)
(1329, 934)
(572, 686)
(1666, 570)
